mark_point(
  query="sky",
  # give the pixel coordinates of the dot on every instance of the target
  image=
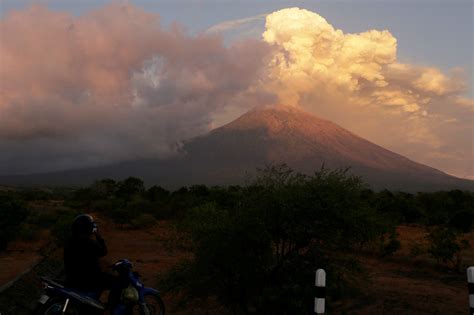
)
(107, 84)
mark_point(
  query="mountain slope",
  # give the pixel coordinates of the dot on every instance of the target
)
(288, 135)
(265, 135)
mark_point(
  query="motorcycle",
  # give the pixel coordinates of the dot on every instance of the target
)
(135, 299)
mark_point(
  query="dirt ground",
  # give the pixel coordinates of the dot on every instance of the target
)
(20, 256)
(401, 284)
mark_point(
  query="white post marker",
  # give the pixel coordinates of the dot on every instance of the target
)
(320, 299)
(470, 286)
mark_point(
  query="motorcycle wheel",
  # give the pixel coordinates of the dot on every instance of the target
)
(54, 307)
(154, 306)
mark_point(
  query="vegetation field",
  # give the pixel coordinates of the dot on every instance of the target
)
(253, 249)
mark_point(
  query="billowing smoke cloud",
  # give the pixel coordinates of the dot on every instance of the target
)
(355, 80)
(112, 85)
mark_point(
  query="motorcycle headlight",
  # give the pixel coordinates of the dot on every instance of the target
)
(129, 295)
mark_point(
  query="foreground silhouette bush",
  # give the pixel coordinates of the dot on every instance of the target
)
(12, 213)
(259, 254)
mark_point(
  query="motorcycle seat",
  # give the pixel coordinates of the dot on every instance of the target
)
(80, 296)
(87, 300)
(51, 282)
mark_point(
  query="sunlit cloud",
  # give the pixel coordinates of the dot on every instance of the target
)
(114, 85)
(313, 53)
(357, 81)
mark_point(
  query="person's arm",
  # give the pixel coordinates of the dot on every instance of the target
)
(100, 248)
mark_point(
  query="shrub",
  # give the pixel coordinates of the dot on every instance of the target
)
(81, 198)
(27, 232)
(401, 207)
(445, 206)
(43, 218)
(446, 246)
(12, 214)
(61, 231)
(391, 246)
(417, 249)
(104, 188)
(157, 193)
(259, 254)
(143, 221)
(462, 220)
(121, 215)
(106, 205)
(130, 187)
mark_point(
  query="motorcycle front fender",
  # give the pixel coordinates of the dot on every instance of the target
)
(146, 291)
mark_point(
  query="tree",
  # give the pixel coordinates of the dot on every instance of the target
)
(105, 188)
(446, 246)
(130, 187)
(259, 254)
(157, 193)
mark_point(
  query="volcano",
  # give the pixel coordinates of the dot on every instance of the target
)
(262, 136)
(306, 143)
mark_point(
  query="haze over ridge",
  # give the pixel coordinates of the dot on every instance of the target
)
(266, 135)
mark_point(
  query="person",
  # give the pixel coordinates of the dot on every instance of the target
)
(82, 255)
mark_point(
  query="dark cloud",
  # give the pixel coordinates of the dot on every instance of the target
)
(112, 85)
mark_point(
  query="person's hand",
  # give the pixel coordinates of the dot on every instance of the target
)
(95, 230)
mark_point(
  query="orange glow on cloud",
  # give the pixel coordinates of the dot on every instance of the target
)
(313, 54)
(356, 80)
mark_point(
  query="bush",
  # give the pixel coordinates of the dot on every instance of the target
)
(61, 231)
(12, 214)
(259, 254)
(417, 249)
(401, 207)
(27, 232)
(121, 215)
(391, 246)
(104, 188)
(446, 246)
(157, 193)
(462, 220)
(106, 205)
(143, 221)
(42, 217)
(448, 207)
(130, 187)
